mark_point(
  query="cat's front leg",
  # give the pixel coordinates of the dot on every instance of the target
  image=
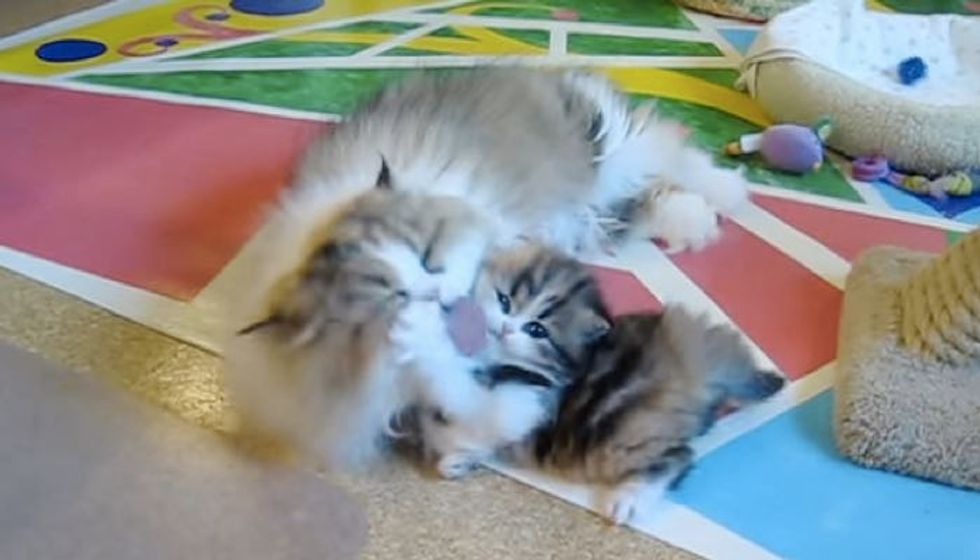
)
(455, 258)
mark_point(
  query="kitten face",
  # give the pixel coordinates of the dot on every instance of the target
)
(543, 310)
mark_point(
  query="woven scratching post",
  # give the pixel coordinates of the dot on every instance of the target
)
(940, 305)
(908, 369)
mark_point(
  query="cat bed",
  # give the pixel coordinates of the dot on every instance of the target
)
(751, 10)
(908, 385)
(838, 59)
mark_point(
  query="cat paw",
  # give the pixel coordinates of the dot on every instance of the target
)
(724, 189)
(454, 286)
(417, 326)
(632, 498)
(684, 220)
(456, 465)
(621, 504)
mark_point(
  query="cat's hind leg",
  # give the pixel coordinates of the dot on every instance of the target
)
(637, 494)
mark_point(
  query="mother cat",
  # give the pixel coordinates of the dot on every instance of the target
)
(399, 204)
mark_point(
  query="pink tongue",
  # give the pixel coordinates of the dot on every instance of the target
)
(467, 326)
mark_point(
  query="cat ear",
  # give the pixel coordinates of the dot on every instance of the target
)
(271, 321)
(597, 328)
(384, 176)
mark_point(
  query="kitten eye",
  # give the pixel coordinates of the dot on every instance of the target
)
(504, 302)
(535, 329)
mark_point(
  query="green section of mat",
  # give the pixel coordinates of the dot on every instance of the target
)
(321, 90)
(276, 48)
(284, 48)
(967, 7)
(711, 129)
(533, 37)
(579, 43)
(339, 91)
(659, 13)
(392, 27)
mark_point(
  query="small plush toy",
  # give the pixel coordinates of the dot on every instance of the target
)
(787, 147)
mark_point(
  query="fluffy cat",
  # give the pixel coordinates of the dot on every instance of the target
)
(613, 404)
(459, 162)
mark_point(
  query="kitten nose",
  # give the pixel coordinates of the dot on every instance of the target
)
(506, 329)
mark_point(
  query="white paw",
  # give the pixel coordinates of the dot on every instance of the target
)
(633, 498)
(418, 325)
(455, 284)
(683, 220)
(725, 189)
(456, 465)
(621, 503)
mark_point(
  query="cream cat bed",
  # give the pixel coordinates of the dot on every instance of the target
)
(836, 58)
(752, 10)
(908, 386)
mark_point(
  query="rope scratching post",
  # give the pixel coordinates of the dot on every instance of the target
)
(940, 305)
(908, 370)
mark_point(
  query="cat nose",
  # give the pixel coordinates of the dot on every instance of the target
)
(506, 329)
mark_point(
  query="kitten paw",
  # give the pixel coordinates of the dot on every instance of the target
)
(453, 287)
(417, 327)
(636, 497)
(621, 503)
(456, 465)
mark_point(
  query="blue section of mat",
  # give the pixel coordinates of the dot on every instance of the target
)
(785, 487)
(739, 38)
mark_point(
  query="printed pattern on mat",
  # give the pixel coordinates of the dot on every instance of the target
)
(178, 121)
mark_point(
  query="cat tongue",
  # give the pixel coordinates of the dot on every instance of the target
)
(467, 326)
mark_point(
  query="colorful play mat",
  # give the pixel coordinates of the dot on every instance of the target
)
(141, 140)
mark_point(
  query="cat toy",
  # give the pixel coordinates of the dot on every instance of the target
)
(786, 147)
(912, 70)
(877, 168)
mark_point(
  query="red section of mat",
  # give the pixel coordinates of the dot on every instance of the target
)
(623, 292)
(848, 233)
(152, 194)
(790, 312)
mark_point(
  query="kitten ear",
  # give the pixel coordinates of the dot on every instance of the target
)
(597, 328)
(271, 321)
(383, 181)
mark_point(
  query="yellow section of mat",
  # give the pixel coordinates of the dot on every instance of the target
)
(191, 23)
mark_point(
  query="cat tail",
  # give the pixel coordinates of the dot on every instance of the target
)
(722, 352)
(330, 411)
(753, 385)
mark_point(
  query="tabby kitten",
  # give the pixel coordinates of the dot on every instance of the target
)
(544, 313)
(612, 403)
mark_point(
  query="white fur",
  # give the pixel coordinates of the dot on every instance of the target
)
(683, 220)
(634, 497)
(503, 416)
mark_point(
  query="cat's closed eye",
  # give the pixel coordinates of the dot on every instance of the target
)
(504, 302)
